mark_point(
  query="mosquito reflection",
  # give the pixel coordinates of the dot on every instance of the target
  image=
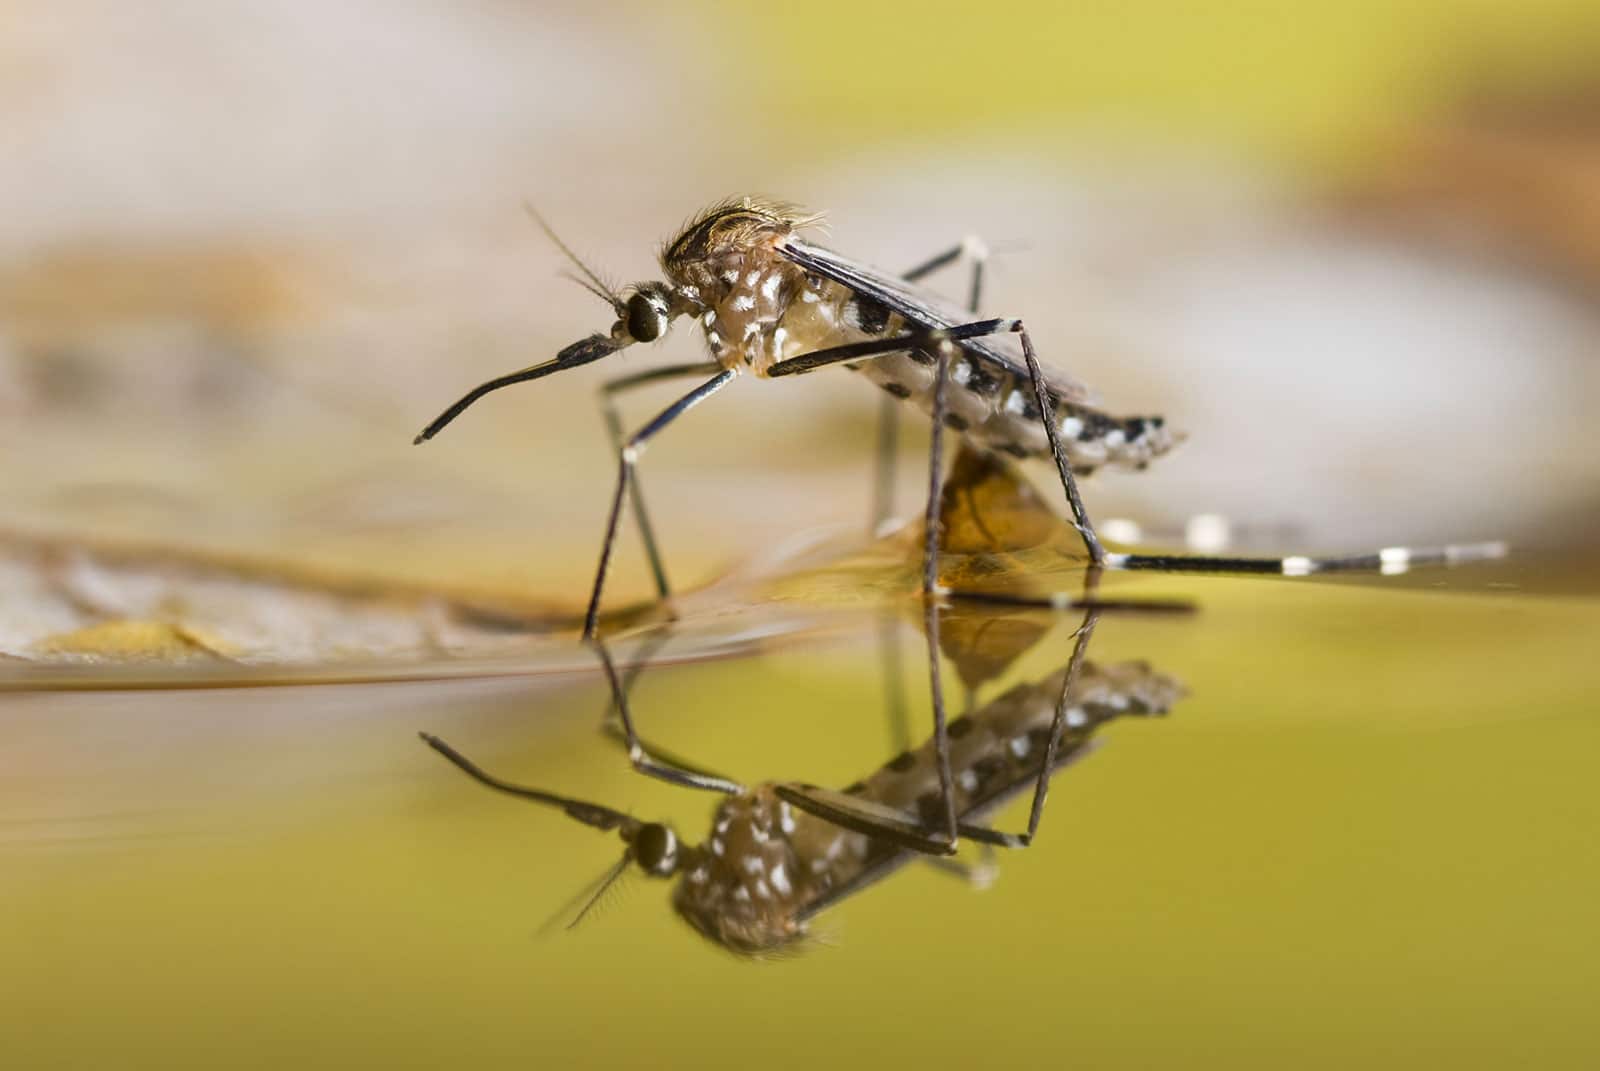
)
(779, 853)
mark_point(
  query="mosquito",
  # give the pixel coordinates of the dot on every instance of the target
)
(773, 304)
(779, 853)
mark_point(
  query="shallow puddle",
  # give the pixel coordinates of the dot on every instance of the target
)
(1363, 834)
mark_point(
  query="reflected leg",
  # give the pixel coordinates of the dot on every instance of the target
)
(930, 588)
(1058, 723)
(611, 721)
(655, 765)
(907, 831)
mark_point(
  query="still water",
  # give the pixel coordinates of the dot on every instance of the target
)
(1361, 832)
(1300, 822)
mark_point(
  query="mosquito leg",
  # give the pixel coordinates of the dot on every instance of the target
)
(980, 257)
(643, 761)
(854, 351)
(905, 830)
(631, 449)
(909, 831)
(664, 757)
(611, 722)
(939, 343)
(930, 587)
(647, 651)
(1091, 583)
(1062, 601)
(971, 247)
(1079, 646)
(1099, 560)
(878, 347)
(880, 823)
(930, 546)
(1080, 516)
(888, 406)
(1052, 748)
(613, 419)
(883, 823)
(941, 733)
(934, 263)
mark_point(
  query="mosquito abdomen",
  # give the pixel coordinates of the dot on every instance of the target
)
(998, 747)
(993, 406)
(999, 411)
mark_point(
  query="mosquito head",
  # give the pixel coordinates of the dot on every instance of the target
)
(644, 315)
(655, 849)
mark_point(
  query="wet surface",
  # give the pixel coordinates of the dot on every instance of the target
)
(1361, 831)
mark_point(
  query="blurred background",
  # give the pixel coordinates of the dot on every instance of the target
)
(1353, 250)
(251, 247)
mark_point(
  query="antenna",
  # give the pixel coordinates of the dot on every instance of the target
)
(595, 284)
(589, 896)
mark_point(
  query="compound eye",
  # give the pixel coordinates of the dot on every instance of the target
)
(656, 848)
(645, 321)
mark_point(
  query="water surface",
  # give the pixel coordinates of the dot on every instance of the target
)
(1364, 835)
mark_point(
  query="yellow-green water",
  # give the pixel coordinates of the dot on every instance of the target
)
(1366, 836)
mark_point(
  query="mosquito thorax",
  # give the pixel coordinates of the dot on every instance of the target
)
(655, 847)
(743, 887)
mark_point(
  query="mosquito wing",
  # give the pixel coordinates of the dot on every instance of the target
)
(921, 307)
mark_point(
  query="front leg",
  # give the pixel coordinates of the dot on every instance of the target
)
(629, 458)
(608, 407)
